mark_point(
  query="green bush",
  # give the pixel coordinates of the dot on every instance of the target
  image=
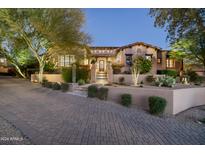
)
(44, 82)
(150, 78)
(49, 67)
(67, 74)
(56, 86)
(194, 77)
(82, 73)
(157, 105)
(126, 99)
(48, 84)
(103, 93)
(92, 91)
(81, 82)
(64, 87)
(198, 81)
(172, 73)
(166, 81)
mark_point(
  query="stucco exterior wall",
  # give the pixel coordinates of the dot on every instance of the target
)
(49, 77)
(140, 96)
(128, 78)
(187, 98)
(178, 100)
(139, 50)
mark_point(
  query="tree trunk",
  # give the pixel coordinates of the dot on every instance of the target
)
(41, 69)
(135, 76)
(19, 70)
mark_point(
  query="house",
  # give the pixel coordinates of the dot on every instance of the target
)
(121, 59)
(4, 66)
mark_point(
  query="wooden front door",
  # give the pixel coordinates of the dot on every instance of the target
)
(101, 66)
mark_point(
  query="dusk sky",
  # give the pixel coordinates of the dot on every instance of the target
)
(118, 27)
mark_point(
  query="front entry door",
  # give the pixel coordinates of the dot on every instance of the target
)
(101, 66)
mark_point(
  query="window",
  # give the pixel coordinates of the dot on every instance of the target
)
(129, 59)
(148, 56)
(66, 60)
(159, 60)
(170, 63)
(2, 60)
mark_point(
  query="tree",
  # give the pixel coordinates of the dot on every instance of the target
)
(140, 65)
(191, 50)
(44, 29)
(186, 31)
(179, 23)
(15, 53)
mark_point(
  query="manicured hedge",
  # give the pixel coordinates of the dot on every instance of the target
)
(48, 84)
(81, 82)
(102, 93)
(67, 74)
(82, 73)
(92, 91)
(64, 87)
(126, 99)
(157, 105)
(56, 86)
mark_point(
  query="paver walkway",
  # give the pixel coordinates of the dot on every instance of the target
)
(53, 117)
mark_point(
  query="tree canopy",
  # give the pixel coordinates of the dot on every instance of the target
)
(43, 30)
(186, 32)
(179, 23)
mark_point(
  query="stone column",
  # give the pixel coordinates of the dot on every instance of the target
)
(74, 73)
(93, 73)
(109, 72)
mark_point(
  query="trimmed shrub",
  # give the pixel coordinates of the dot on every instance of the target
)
(48, 84)
(102, 93)
(172, 73)
(194, 77)
(198, 81)
(92, 91)
(150, 78)
(121, 80)
(81, 82)
(67, 74)
(157, 105)
(82, 73)
(126, 99)
(64, 87)
(56, 86)
(44, 82)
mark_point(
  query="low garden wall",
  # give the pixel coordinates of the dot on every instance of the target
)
(49, 77)
(128, 78)
(178, 100)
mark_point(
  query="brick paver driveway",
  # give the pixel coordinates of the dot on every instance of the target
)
(53, 117)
